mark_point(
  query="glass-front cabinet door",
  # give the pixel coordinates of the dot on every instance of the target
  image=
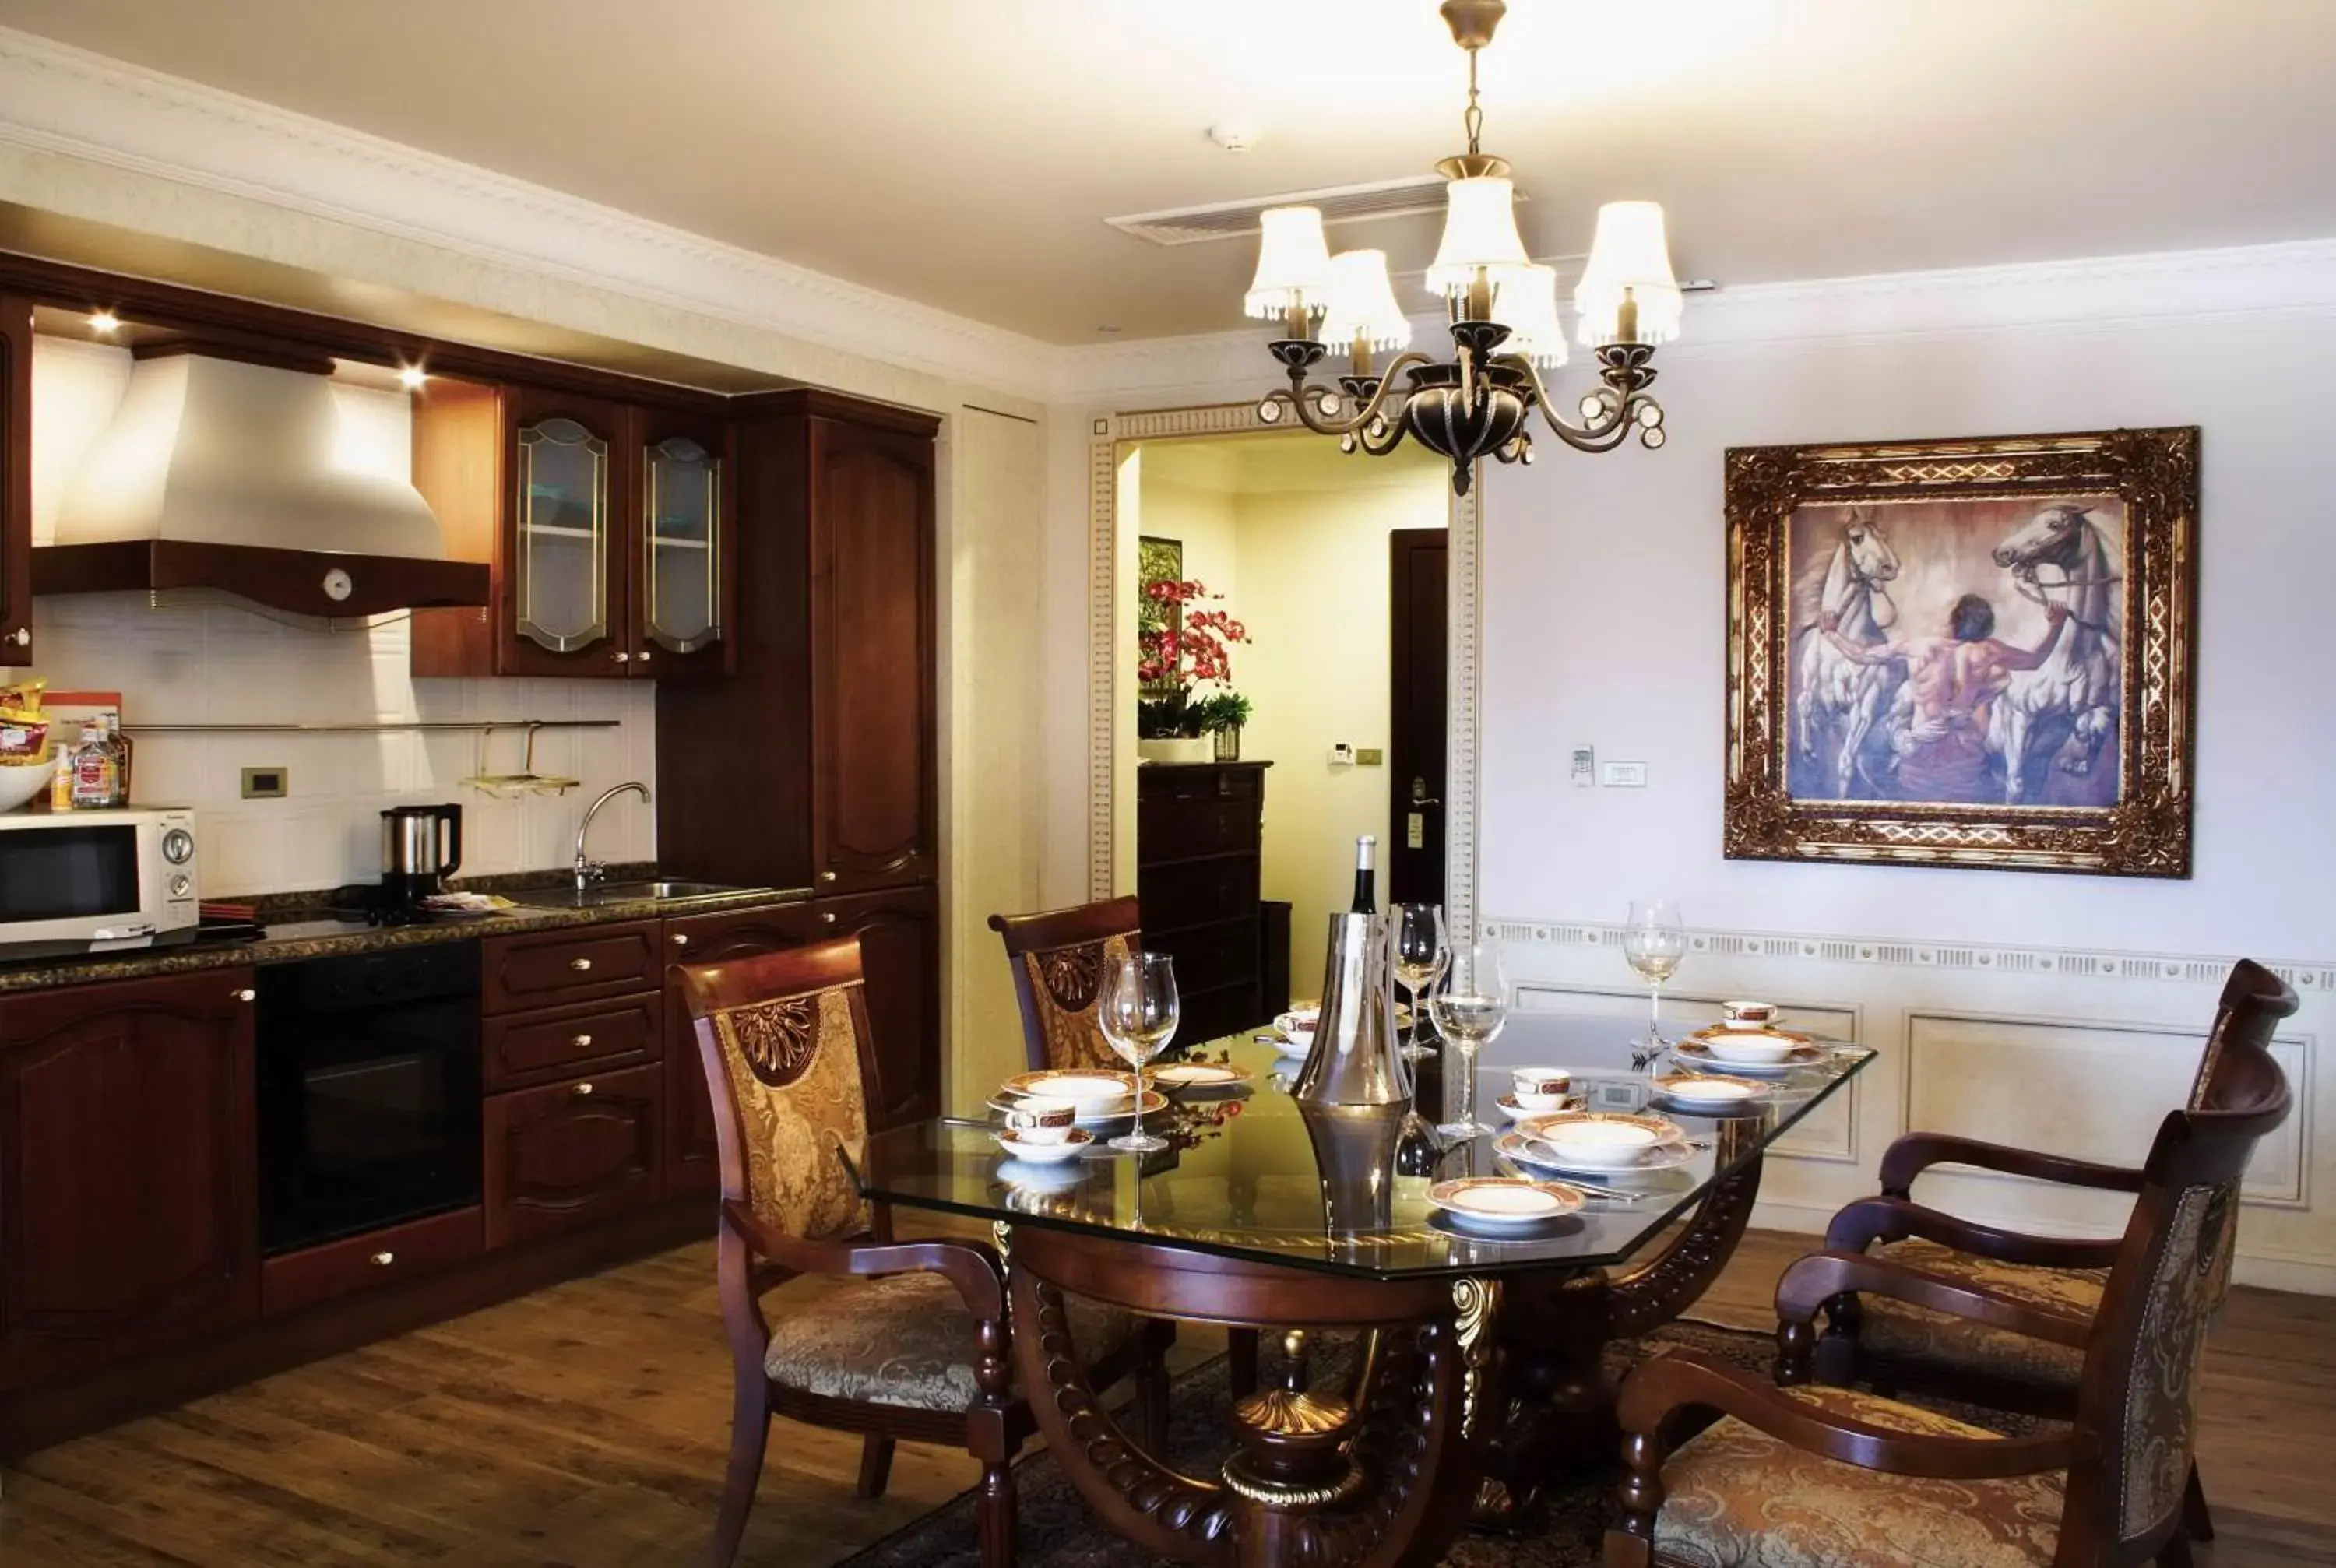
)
(564, 589)
(684, 563)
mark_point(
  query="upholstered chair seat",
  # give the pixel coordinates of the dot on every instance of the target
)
(1947, 1344)
(1736, 1497)
(906, 1339)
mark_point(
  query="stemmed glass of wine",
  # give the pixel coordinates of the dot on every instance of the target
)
(1138, 1011)
(1468, 1012)
(1654, 941)
(1420, 954)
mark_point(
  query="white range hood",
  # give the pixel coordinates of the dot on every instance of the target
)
(207, 451)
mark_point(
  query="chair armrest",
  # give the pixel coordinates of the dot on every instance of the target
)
(1872, 1220)
(1820, 1277)
(971, 1266)
(1682, 1381)
(1908, 1157)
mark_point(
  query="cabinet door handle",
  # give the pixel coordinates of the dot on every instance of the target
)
(681, 938)
(580, 965)
(22, 637)
(643, 656)
(581, 1042)
(827, 876)
(246, 995)
(382, 1260)
(827, 917)
(581, 1089)
(622, 656)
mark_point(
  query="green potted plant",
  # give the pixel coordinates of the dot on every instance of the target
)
(1221, 716)
(1174, 660)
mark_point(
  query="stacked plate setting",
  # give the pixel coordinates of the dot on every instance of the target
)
(1598, 1143)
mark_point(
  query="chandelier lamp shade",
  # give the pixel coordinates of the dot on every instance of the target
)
(1478, 401)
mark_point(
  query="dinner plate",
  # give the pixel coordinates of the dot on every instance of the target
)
(1504, 1203)
(1119, 1110)
(1199, 1075)
(1696, 1052)
(1713, 1089)
(1661, 1158)
(1023, 1151)
(1602, 1140)
(1086, 1086)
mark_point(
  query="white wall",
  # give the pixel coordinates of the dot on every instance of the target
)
(1203, 519)
(211, 659)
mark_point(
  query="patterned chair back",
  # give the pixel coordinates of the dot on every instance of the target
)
(1060, 959)
(784, 1040)
(2237, 989)
(2141, 1370)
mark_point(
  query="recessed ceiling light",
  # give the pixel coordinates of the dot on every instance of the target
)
(104, 321)
(411, 376)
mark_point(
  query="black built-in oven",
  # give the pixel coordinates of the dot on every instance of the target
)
(369, 1091)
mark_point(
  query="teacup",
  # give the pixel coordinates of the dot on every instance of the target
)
(1743, 1013)
(1541, 1088)
(1042, 1118)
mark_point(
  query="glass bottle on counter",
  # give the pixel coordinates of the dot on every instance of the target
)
(99, 778)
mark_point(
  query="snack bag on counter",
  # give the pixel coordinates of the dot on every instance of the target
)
(23, 726)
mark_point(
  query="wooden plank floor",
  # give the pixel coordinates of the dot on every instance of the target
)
(585, 1426)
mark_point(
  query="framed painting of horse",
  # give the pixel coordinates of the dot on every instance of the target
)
(1964, 653)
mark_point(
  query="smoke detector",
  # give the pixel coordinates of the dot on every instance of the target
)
(1236, 134)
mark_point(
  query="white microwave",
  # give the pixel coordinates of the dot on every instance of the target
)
(90, 881)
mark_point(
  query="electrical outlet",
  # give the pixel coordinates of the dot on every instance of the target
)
(1624, 776)
(267, 784)
(1370, 756)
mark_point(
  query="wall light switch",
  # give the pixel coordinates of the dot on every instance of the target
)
(1624, 776)
(1342, 755)
(1370, 756)
(1585, 766)
(267, 784)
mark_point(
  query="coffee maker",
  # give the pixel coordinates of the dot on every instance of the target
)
(421, 847)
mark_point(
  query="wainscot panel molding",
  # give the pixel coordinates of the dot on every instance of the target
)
(2075, 1050)
(54, 98)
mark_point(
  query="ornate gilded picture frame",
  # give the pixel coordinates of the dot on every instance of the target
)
(1964, 653)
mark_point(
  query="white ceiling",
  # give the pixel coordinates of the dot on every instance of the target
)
(964, 152)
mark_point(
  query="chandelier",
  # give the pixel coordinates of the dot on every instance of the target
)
(1503, 309)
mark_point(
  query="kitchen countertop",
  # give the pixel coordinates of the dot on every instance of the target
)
(308, 934)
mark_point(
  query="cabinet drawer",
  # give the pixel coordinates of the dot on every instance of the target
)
(302, 1278)
(1174, 829)
(573, 1154)
(1191, 892)
(556, 1043)
(576, 964)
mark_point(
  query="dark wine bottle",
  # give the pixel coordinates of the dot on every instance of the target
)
(1365, 854)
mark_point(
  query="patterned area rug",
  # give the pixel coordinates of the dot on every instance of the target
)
(1059, 1531)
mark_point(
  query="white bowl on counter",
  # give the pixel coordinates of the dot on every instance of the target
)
(23, 784)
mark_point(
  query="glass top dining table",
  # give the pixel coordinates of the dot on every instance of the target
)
(1250, 1173)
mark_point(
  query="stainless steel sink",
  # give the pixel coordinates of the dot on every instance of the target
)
(664, 890)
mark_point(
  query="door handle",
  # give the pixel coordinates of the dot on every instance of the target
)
(1425, 800)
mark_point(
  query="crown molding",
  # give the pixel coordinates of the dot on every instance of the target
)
(57, 99)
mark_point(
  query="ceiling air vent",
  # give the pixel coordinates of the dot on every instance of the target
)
(1339, 204)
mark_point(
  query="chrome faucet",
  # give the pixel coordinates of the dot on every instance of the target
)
(589, 871)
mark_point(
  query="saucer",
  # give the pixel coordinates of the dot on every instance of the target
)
(1714, 1090)
(1517, 1113)
(1021, 1149)
(1199, 1075)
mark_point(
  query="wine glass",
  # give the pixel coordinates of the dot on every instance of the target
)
(1420, 954)
(1138, 1012)
(1468, 1011)
(1654, 941)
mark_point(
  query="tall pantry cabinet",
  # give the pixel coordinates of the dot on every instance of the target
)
(815, 764)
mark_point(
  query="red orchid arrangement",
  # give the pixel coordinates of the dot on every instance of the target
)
(1196, 646)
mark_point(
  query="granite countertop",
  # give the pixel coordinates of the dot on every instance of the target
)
(297, 926)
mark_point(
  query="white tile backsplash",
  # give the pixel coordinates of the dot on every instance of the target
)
(198, 659)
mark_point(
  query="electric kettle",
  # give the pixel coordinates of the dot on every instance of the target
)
(421, 847)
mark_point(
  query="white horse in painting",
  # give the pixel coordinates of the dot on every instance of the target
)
(2067, 706)
(1840, 698)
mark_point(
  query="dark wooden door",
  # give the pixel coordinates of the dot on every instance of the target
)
(129, 1203)
(874, 795)
(15, 480)
(571, 527)
(570, 1154)
(692, 1164)
(1418, 610)
(684, 603)
(900, 953)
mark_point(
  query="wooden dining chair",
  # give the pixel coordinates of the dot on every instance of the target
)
(916, 1346)
(1801, 1473)
(1894, 1345)
(1060, 959)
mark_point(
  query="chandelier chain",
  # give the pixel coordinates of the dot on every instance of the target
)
(1473, 120)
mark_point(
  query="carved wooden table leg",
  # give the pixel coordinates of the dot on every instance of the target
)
(1293, 1460)
(1560, 1415)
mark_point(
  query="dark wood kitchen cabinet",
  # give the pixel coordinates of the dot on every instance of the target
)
(900, 953)
(692, 1163)
(129, 1205)
(607, 527)
(571, 1155)
(815, 765)
(15, 480)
